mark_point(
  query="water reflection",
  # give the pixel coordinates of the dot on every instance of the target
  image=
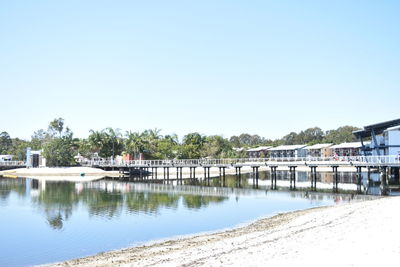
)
(106, 199)
(347, 181)
(48, 221)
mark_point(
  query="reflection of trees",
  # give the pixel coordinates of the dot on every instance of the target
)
(102, 203)
(57, 200)
(150, 202)
(56, 221)
(11, 185)
(196, 201)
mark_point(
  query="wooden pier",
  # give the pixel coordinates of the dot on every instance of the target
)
(387, 165)
(8, 165)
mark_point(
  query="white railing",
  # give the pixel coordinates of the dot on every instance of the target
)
(12, 163)
(215, 162)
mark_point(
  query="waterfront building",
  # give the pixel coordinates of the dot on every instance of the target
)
(392, 141)
(319, 150)
(347, 149)
(384, 136)
(292, 151)
(258, 152)
(6, 158)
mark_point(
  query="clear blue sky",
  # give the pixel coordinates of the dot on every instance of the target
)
(216, 67)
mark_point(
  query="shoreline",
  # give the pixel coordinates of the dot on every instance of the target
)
(284, 239)
(58, 172)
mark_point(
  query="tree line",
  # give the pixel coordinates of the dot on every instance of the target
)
(59, 145)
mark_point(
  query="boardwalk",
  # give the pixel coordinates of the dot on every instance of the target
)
(7, 165)
(363, 161)
(385, 164)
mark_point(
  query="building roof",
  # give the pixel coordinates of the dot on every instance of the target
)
(260, 148)
(318, 146)
(289, 147)
(349, 145)
(378, 128)
(396, 128)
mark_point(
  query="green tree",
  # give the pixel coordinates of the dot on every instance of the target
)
(18, 149)
(39, 138)
(107, 143)
(192, 146)
(61, 147)
(5, 143)
(56, 127)
(135, 143)
(341, 135)
(216, 146)
(167, 147)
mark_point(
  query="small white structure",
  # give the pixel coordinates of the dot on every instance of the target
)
(319, 150)
(36, 159)
(258, 152)
(288, 151)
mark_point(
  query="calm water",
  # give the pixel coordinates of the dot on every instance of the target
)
(43, 222)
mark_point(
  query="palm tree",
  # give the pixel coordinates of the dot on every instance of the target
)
(135, 143)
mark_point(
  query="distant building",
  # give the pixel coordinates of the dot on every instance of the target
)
(384, 136)
(6, 158)
(319, 150)
(292, 151)
(258, 152)
(348, 149)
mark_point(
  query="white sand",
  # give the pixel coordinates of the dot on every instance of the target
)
(65, 171)
(356, 234)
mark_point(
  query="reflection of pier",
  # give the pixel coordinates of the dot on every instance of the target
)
(388, 167)
(126, 187)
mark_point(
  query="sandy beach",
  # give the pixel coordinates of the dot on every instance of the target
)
(59, 171)
(355, 234)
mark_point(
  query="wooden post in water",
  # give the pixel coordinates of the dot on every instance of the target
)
(359, 179)
(223, 176)
(255, 176)
(335, 179)
(238, 175)
(383, 177)
(293, 177)
(273, 177)
(313, 178)
(181, 176)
